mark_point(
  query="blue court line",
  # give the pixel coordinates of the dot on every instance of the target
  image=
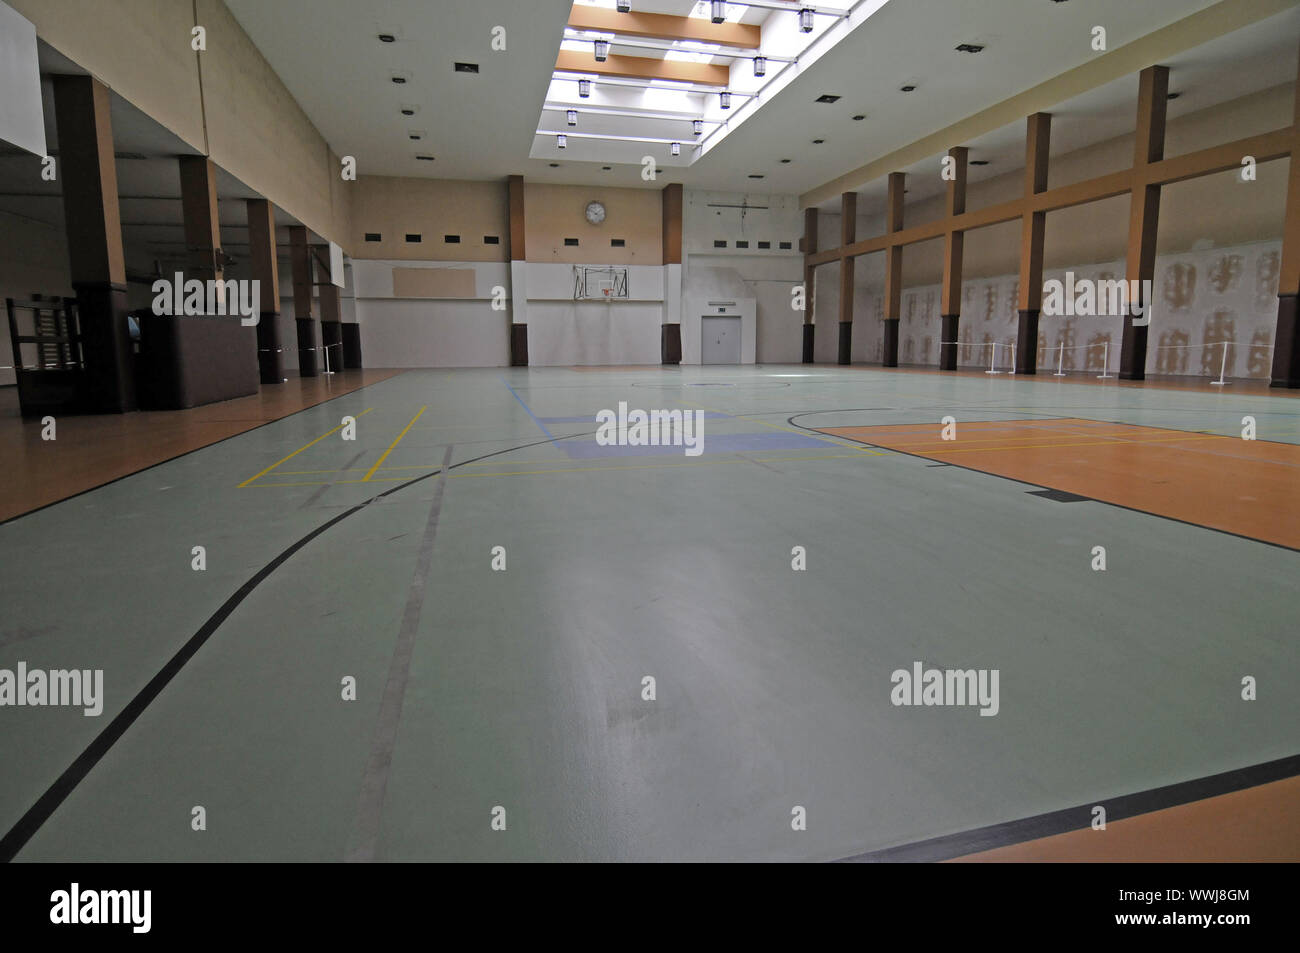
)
(525, 407)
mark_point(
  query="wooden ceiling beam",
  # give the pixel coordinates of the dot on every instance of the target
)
(663, 26)
(642, 67)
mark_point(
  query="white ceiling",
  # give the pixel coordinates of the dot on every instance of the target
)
(484, 126)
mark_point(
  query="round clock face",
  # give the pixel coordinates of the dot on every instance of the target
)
(595, 213)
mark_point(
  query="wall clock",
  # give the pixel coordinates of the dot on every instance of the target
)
(595, 213)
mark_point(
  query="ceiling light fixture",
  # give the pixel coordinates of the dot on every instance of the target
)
(399, 80)
(572, 116)
(827, 98)
(387, 38)
(760, 65)
(725, 97)
(602, 50)
(624, 6)
(859, 118)
(584, 88)
(968, 48)
(408, 111)
(806, 19)
(979, 161)
(697, 126)
(562, 141)
(906, 89)
(718, 12)
(676, 148)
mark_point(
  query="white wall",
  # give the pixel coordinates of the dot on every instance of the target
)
(562, 331)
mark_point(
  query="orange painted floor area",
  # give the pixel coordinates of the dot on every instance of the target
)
(1246, 487)
(95, 449)
(1258, 824)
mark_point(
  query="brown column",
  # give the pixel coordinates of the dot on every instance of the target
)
(1033, 230)
(848, 235)
(1286, 342)
(893, 268)
(670, 338)
(300, 259)
(809, 248)
(97, 264)
(203, 259)
(266, 272)
(1144, 213)
(953, 247)
(331, 312)
(518, 289)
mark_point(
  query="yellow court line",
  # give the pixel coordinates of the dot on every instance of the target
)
(371, 472)
(298, 451)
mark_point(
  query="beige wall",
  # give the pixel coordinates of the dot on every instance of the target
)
(432, 208)
(254, 128)
(556, 212)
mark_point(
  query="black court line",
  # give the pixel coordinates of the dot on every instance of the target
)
(100, 486)
(1080, 817)
(1118, 506)
(40, 812)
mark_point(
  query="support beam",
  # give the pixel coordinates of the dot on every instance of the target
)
(670, 338)
(848, 235)
(1286, 339)
(266, 272)
(584, 63)
(331, 312)
(809, 249)
(203, 257)
(893, 268)
(1033, 231)
(88, 175)
(1144, 214)
(518, 274)
(664, 26)
(300, 259)
(953, 249)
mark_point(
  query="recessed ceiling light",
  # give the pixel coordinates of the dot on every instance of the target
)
(399, 80)
(906, 89)
(827, 98)
(1172, 95)
(416, 136)
(818, 142)
(408, 110)
(423, 157)
(466, 67)
(387, 38)
(979, 161)
(753, 175)
(859, 118)
(555, 165)
(606, 168)
(785, 161)
(968, 48)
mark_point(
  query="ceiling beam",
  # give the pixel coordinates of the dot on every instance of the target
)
(664, 26)
(642, 67)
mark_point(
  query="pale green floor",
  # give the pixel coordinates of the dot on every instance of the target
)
(525, 686)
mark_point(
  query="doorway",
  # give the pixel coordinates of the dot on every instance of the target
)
(720, 339)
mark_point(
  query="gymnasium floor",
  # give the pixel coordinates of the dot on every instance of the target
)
(522, 688)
